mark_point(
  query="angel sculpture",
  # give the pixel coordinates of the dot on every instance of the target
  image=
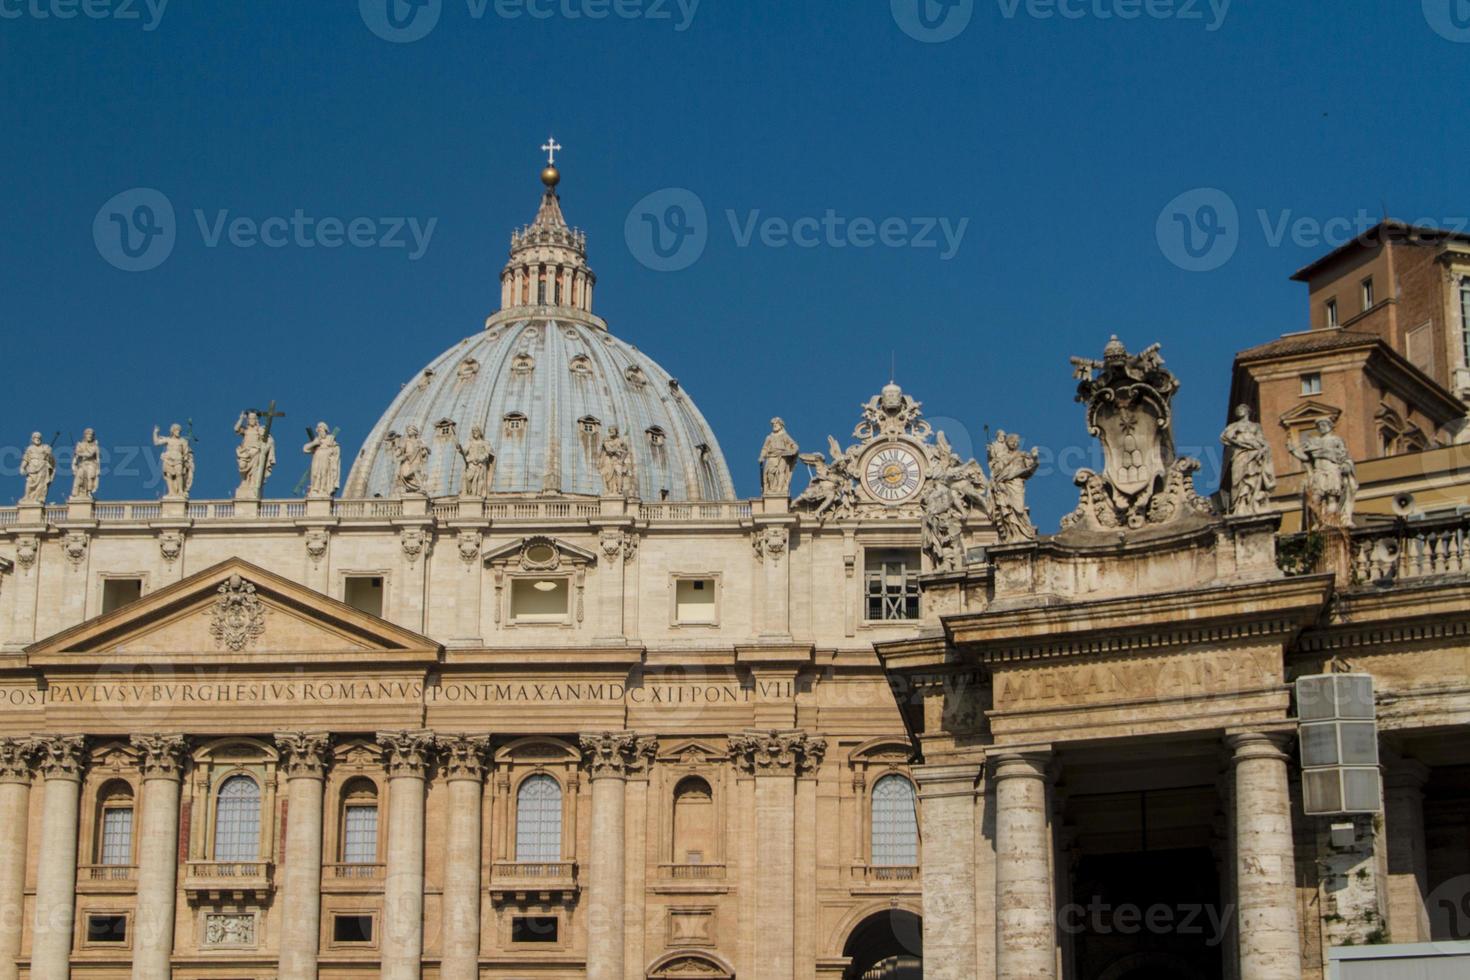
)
(831, 486)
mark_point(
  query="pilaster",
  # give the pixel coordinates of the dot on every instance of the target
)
(62, 759)
(16, 756)
(407, 758)
(304, 758)
(463, 765)
(158, 854)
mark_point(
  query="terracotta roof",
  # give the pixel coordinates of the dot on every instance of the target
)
(1309, 342)
(1396, 232)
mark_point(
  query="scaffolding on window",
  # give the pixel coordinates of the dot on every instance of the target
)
(893, 588)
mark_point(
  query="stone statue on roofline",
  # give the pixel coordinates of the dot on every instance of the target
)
(1252, 470)
(38, 466)
(86, 467)
(778, 461)
(1331, 485)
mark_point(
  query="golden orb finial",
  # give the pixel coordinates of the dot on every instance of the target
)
(551, 176)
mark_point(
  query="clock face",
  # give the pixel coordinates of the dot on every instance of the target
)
(893, 474)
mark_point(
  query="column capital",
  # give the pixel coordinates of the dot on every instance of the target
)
(16, 755)
(407, 753)
(304, 755)
(777, 753)
(162, 755)
(1246, 746)
(62, 756)
(463, 756)
(1404, 775)
(1024, 764)
(617, 755)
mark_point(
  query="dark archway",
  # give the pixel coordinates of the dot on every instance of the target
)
(886, 946)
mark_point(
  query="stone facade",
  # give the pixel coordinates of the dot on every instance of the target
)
(855, 734)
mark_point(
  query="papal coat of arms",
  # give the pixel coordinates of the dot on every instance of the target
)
(238, 617)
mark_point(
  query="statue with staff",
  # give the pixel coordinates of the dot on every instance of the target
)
(256, 454)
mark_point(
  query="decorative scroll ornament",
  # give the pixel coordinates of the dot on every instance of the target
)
(771, 543)
(304, 753)
(618, 754)
(407, 753)
(75, 547)
(463, 756)
(162, 755)
(892, 413)
(317, 540)
(27, 548)
(777, 753)
(415, 541)
(238, 615)
(1129, 399)
(171, 545)
(469, 546)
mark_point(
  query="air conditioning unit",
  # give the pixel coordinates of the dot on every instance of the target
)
(1338, 735)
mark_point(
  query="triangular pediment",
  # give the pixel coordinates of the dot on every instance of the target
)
(1307, 413)
(235, 612)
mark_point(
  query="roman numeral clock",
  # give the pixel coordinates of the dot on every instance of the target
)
(892, 473)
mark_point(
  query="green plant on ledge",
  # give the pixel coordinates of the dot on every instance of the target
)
(1299, 554)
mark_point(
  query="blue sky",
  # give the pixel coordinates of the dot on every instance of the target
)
(1054, 136)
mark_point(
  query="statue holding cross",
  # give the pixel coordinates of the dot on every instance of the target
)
(256, 455)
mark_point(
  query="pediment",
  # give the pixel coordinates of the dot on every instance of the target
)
(239, 613)
(540, 554)
(1307, 413)
(693, 752)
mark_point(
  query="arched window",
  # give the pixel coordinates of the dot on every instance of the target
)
(360, 822)
(895, 823)
(115, 828)
(237, 820)
(538, 821)
(694, 821)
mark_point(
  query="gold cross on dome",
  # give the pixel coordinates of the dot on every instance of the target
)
(551, 147)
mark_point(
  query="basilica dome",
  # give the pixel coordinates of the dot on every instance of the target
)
(548, 383)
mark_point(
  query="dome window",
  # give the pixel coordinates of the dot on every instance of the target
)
(515, 423)
(657, 437)
(469, 369)
(426, 379)
(581, 366)
(445, 428)
(522, 363)
(590, 426)
(636, 377)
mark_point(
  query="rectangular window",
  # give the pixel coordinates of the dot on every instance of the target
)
(352, 928)
(1368, 299)
(112, 929)
(540, 600)
(1332, 313)
(360, 835)
(535, 929)
(1465, 318)
(694, 602)
(1312, 384)
(892, 586)
(119, 592)
(365, 594)
(117, 835)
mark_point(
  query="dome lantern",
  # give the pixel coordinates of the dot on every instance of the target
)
(548, 259)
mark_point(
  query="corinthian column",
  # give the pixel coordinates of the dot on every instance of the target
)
(1026, 946)
(1265, 860)
(610, 757)
(776, 759)
(407, 759)
(15, 809)
(464, 767)
(304, 758)
(62, 758)
(158, 855)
